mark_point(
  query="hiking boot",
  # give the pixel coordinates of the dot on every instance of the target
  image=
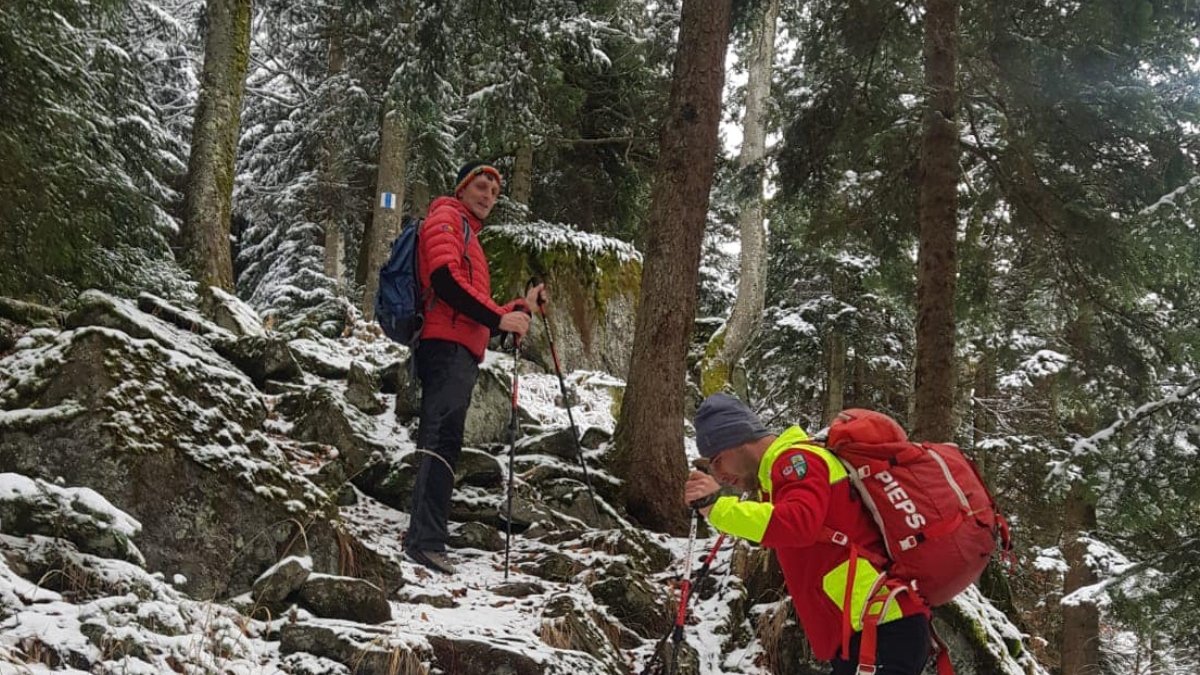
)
(434, 560)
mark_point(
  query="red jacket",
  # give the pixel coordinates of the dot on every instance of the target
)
(805, 490)
(441, 244)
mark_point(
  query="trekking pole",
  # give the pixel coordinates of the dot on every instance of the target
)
(685, 592)
(562, 386)
(685, 589)
(512, 451)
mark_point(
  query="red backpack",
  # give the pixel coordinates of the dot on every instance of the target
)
(939, 523)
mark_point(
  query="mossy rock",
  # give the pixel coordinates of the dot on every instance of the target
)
(594, 284)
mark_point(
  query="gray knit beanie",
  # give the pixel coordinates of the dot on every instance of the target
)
(723, 422)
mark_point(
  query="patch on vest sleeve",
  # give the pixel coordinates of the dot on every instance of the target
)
(797, 466)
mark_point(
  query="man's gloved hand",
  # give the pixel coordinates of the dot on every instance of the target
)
(699, 488)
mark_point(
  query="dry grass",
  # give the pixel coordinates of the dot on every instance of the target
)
(400, 661)
(768, 630)
(556, 633)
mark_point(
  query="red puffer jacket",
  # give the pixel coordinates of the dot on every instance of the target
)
(441, 244)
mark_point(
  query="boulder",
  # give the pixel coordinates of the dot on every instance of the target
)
(362, 389)
(397, 378)
(519, 589)
(322, 415)
(79, 515)
(553, 566)
(594, 437)
(477, 535)
(281, 580)
(168, 435)
(365, 650)
(633, 602)
(262, 357)
(465, 656)
(230, 313)
(345, 598)
(320, 356)
(328, 319)
(491, 404)
(594, 282)
(641, 553)
(559, 443)
(570, 497)
(184, 319)
(565, 625)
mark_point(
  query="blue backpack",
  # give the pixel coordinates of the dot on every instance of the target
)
(399, 302)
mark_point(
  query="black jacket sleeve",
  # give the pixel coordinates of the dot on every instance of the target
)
(448, 290)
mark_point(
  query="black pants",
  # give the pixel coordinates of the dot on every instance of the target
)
(447, 372)
(901, 648)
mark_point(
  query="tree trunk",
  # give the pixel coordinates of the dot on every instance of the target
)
(836, 382)
(332, 178)
(933, 410)
(649, 439)
(385, 222)
(728, 343)
(1081, 623)
(522, 177)
(421, 197)
(209, 192)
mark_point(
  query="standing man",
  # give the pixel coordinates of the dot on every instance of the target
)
(460, 317)
(809, 514)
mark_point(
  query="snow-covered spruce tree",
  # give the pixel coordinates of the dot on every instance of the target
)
(90, 146)
(566, 96)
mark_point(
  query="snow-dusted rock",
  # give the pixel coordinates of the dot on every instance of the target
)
(232, 314)
(345, 598)
(553, 566)
(169, 433)
(558, 443)
(79, 515)
(363, 385)
(477, 535)
(566, 625)
(184, 319)
(261, 357)
(491, 403)
(321, 414)
(634, 602)
(390, 479)
(282, 579)
(479, 657)
(329, 319)
(363, 649)
(593, 281)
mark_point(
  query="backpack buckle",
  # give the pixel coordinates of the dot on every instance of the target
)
(908, 542)
(839, 538)
(866, 670)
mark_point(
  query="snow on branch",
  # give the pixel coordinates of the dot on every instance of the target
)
(544, 236)
(1092, 444)
(1169, 198)
(1067, 470)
